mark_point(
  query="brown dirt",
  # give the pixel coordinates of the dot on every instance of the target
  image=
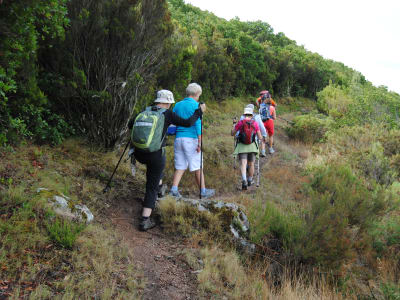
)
(157, 254)
(166, 273)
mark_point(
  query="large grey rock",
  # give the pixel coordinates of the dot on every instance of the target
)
(65, 207)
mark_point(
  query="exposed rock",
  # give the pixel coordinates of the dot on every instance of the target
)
(65, 206)
(232, 214)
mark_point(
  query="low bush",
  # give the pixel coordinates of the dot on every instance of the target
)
(386, 235)
(268, 222)
(310, 128)
(375, 165)
(63, 232)
(333, 101)
(343, 210)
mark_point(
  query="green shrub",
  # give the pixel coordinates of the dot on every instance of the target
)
(269, 222)
(374, 164)
(333, 101)
(44, 126)
(391, 291)
(310, 128)
(342, 211)
(63, 232)
(386, 234)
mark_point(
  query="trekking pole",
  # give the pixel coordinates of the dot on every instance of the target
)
(258, 170)
(201, 152)
(234, 144)
(108, 187)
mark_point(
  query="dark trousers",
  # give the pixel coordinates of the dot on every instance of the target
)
(155, 163)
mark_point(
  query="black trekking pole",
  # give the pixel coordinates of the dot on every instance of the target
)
(108, 187)
(234, 144)
(201, 151)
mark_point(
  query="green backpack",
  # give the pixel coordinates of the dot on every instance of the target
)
(147, 131)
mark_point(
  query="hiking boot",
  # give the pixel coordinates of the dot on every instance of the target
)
(244, 185)
(271, 150)
(162, 189)
(146, 224)
(176, 194)
(263, 153)
(250, 182)
(208, 193)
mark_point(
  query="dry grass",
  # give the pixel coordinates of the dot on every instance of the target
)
(99, 264)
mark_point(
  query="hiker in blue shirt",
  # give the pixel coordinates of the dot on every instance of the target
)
(187, 151)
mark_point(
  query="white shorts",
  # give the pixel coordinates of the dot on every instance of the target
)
(186, 154)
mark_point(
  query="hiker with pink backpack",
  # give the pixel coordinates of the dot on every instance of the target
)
(247, 146)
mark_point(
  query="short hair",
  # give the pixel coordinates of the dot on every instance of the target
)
(193, 89)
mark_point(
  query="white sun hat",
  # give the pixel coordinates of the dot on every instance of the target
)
(164, 96)
(248, 111)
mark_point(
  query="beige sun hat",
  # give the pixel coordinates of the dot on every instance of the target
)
(250, 106)
(164, 96)
(248, 111)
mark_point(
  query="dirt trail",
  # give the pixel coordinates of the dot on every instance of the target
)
(166, 273)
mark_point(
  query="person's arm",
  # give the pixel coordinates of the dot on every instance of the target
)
(274, 113)
(173, 118)
(235, 128)
(131, 121)
(261, 126)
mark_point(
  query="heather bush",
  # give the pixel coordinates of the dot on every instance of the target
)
(310, 128)
(333, 101)
(342, 211)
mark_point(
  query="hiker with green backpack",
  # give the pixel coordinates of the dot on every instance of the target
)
(148, 133)
(247, 146)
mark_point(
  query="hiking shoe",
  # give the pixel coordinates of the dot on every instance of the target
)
(263, 153)
(271, 150)
(250, 182)
(162, 189)
(176, 194)
(244, 185)
(208, 193)
(146, 224)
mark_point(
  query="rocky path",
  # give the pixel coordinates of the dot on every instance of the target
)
(159, 256)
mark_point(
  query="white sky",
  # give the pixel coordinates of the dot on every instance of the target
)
(362, 34)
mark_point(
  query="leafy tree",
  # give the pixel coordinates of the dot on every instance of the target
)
(107, 63)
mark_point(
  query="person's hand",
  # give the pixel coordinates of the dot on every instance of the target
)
(203, 107)
(198, 148)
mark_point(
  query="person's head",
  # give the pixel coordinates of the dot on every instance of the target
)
(164, 99)
(248, 112)
(266, 98)
(250, 106)
(194, 91)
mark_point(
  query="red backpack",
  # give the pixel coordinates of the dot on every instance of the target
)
(247, 133)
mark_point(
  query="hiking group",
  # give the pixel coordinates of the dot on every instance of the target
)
(148, 140)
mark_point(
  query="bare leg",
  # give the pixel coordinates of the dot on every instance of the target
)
(146, 212)
(177, 177)
(243, 166)
(251, 168)
(197, 176)
(271, 141)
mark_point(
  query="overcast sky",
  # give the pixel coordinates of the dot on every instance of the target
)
(362, 34)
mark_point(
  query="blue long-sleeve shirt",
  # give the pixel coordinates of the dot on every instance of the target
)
(185, 109)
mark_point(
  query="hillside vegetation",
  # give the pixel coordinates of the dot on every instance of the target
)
(325, 221)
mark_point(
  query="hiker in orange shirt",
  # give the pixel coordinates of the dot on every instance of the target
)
(263, 95)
